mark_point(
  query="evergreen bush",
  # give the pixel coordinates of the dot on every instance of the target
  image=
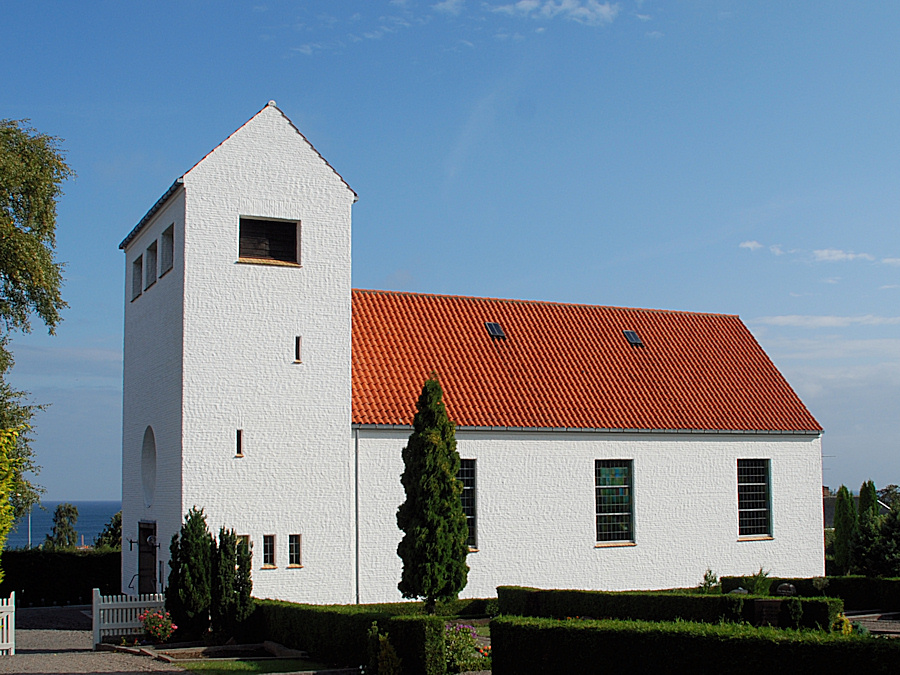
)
(433, 548)
(189, 591)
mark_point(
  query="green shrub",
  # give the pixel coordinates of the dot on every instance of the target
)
(525, 645)
(652, 606)
(339, 633)
(858, 593)
(42, 578)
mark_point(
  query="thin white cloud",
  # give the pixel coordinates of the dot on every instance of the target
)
(891, 261)
(776, 249)
(887, 287)
(643, 17)
(654, 34)
(454, 7)
(588, 12)
(825, 321)
(831, 280)
(752, 245)
(837, 255)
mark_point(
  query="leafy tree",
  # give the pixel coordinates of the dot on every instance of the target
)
(890, 495)
(8, 439)
(111, 536)
(32, 169)
(868, 499)
(63, 535)
(887, 550)
(433, 547)
(845, 525)
(231, 603)
(190, 585)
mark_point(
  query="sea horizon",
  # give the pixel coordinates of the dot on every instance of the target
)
(93, 515)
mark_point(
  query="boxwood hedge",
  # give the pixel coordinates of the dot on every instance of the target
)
(526, 645)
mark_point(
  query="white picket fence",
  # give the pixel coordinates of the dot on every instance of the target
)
(8, 625)
(117, 615)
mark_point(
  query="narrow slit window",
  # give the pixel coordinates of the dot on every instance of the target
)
(466, 476)
(239, 443)
(298, 349)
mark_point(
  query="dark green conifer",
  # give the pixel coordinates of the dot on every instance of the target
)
(189, 590)
(433, 548)
(868, 500)
(845, 527)
(231, 585)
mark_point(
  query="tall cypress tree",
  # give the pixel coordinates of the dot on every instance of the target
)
(189, 590)
(231, 585)
(845, 525)
(63, 534)
(433, 548)
(868, 500)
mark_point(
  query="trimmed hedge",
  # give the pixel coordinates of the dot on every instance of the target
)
(858, 593)
(337, 633)
(525, 645)
(42, 578)
(660, 606)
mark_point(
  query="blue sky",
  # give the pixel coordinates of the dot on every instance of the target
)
(713, 156)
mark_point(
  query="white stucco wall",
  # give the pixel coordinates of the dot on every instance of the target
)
(152, 391)
(536, 510)
(241, 321)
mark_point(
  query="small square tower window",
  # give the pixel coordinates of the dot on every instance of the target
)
(273, 240)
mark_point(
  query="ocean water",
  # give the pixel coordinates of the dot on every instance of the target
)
(92, 518)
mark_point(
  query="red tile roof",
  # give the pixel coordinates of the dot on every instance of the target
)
(564, 366)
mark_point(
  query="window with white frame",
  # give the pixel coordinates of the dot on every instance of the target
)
(268, 550)
(167, 249)
(137, 277)
(754, 498)
(150, 272)
(615, 504)
(466, 476)
(294, 557)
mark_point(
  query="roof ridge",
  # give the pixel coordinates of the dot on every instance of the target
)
(450, 296)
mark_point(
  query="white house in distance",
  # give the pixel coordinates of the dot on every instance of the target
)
(603, 448)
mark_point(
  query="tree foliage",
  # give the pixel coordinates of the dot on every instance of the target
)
(111, 536)
(845, 525)
(868, 500)
(890, 495)
(8, 442)
(63, 535)
(32, 169)
(433, 547)
(231, 603)
(189, 591)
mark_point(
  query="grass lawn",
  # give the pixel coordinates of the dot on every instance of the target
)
(217, 666)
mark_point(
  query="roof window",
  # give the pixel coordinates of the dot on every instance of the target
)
(633, 338)
(494, 330)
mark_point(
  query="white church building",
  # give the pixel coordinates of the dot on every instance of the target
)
(602, 447)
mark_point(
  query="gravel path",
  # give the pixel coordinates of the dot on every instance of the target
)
(55, 640)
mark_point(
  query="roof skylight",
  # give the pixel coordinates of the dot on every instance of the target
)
(494, 330)
(633, 338)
